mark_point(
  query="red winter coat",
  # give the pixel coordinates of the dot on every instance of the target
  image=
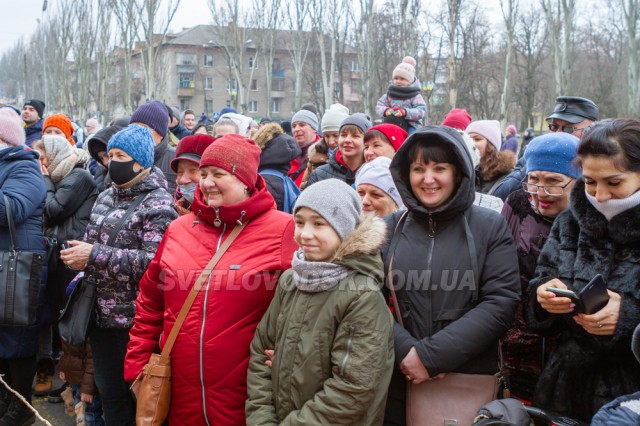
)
(216, 334)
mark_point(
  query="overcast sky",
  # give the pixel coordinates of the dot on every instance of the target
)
(18, 18)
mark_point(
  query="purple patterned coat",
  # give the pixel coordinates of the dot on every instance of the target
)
(121, 266)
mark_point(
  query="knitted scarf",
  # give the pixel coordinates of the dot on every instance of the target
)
(314, 277)
(402, 92)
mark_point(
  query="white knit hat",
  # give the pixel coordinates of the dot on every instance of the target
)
(377, 173)
(333, 117)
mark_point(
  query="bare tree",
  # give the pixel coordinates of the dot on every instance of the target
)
(530, 53)
(364, 27)
(296, 19)
(453, 14)
(233, 35)
(267, 13)
(329, 23)
(127, 19)
(631, 16)
(560, 17)
(509, 10)
(154, 29)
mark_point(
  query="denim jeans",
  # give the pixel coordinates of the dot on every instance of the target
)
(92, 410)
(109, 346)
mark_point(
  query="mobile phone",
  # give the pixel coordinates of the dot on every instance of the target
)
(563, 293)
(65, 246)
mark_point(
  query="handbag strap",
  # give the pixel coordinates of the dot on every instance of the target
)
(204, 276)
(135, 203)
(12, 227)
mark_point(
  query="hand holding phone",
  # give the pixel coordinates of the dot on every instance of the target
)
(590, 299)
(560, 292)
(65, 246)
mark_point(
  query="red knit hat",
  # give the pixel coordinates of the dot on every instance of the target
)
(61, 122)
(191, 148)
(395, 134)
(236, 154)
(458, 119)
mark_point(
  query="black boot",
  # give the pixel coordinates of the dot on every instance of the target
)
(54, 396)
(18, 414)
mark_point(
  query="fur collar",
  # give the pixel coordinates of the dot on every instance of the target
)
(366, 239)
(622, 229)
(266, 133)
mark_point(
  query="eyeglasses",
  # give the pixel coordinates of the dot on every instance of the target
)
(566, 129)
(316, 165)
(552, 191)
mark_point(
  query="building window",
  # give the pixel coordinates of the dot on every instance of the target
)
(277, 85)
(253, 106)
(337, 88)
(275, 106)
(186, 59)
(186, 80)
(353, 65)
(228, 103)
(253, 63)
(208, 106)
(208, 83)
(208, 60)
(232, 85)
(184, 103)
(254, 84)
(276, 65)
(317, 86)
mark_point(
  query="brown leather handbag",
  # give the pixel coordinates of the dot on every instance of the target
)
(154, 395)
(456, 398)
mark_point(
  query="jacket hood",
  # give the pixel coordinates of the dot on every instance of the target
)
(99, 141)
(18, 153)
(360, 249)
(260, 201)
(278, 148)
(463, 196)
(155, 180)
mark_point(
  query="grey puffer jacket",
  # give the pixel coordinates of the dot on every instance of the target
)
(453, 323)
(120, 267)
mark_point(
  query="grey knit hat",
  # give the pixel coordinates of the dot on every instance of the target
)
(306, 116)
(334, 200)
(358, 119)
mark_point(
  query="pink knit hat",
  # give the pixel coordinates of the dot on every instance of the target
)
(11, 131)
(406, 69)
(511, 129)
(488, 129)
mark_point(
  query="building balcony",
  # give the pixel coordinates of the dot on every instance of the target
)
(278, 94)
(186, 92)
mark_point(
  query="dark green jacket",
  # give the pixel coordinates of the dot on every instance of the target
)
(333, 349)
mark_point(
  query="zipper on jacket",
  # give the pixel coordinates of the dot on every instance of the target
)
(204, 319)
(352, 330)
(217, 222)
(432, 227)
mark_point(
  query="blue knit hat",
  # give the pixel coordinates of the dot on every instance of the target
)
(154, 114)
(137, 141)
(553, 152)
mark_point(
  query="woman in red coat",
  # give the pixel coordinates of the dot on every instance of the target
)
(210, 357)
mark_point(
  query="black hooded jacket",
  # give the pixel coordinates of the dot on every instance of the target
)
(434, 278)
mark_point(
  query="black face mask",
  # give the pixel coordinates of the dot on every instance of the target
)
(122, 172)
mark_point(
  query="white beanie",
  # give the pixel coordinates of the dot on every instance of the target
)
(488, 129)
(333, 117)
(406, 69)
(377, 173)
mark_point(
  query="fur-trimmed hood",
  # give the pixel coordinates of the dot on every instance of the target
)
(360, 250)
(278, 148)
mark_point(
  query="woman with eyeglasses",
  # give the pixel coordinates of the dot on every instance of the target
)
(318, 155)
(591, 362)
(530, 212)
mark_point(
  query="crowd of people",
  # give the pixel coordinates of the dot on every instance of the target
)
(460, 233)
